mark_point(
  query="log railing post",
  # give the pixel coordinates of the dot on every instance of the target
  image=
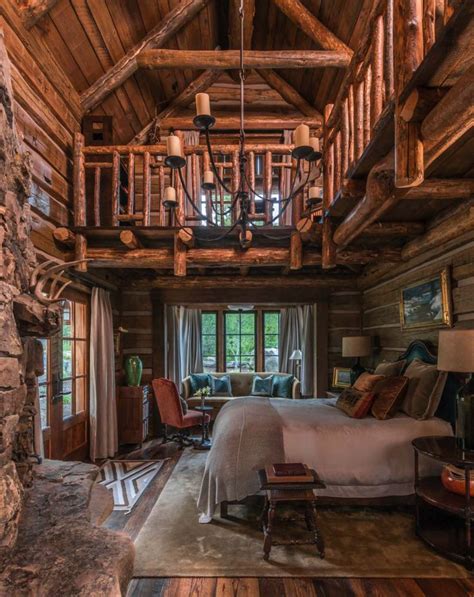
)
(388, 50)
(377, 61)
(131, 184)
(345, 138)
(359, 120)
(251, 175)
(97, 196)
(367, 87)
(350, 103)
(328, 255)
(79, 181)
(268, 183)
(115, 187)
(146, 189)
(161, 207)
(337, 163)
(235, 183)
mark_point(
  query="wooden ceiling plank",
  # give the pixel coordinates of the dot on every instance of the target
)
(127, 65)
(288, 93)
(228, 59)
(307, 22)
(31, 11)
(200, 84)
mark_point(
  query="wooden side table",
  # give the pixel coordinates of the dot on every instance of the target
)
(278, 493)
(445, 520)
(133, 414)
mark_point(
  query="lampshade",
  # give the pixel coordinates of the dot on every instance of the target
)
(356, 346)
(456, 351)
(296, 355)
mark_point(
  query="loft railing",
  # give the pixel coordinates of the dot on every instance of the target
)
(116, 185)
(400, 34)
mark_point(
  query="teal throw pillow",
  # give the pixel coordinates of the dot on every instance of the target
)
(221, 386)
(199, 381)
(262, 386)
(282, 386)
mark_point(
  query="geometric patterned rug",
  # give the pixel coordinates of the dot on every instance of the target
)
(127, 480)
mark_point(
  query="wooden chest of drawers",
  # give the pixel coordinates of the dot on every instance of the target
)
(133, 414)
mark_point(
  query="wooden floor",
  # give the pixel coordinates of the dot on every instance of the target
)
(264, 587)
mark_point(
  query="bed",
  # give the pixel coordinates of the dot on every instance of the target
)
(357, 458)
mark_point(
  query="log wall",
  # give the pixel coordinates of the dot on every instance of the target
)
(381, 296)
(47, 112)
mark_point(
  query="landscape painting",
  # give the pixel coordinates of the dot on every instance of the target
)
(426, 303)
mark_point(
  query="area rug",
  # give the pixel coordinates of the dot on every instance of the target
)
(127, 480)
(359, 542)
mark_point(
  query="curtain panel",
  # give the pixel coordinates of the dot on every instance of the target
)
(103, 410)
(183, 327)
(297, 333)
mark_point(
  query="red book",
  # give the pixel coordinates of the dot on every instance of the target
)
(289, 469)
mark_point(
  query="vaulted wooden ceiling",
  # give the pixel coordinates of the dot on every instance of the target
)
(88, 37)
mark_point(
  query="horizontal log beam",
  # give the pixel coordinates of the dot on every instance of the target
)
(249, 282)
(456, 223)
(276, 148)
(431, 188)
(229, 257)
(230, 59)
(64, 236)
(126, 66)
(252, 122)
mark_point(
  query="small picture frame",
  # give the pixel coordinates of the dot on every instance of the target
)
(341, 377)
(427, 304)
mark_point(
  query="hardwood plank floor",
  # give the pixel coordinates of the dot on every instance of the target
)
(259, 587)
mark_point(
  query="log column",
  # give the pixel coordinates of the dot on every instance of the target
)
(80, 218)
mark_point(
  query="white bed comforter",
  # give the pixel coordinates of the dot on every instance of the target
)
(356, 458)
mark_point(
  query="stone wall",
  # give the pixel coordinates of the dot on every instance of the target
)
(20, 314)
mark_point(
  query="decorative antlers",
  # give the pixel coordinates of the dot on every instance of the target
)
(38, 282)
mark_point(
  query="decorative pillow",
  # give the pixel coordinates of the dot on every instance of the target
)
(262, 386)
(198, 381)
(390, 369)
(366, 382)
(425, 386)
(184, 405)
(282, 386)
(389, 394)
(354, 403)
(221, 386)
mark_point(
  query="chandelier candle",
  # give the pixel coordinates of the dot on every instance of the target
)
(302, 146)
(175, 157)
(203, 104)
(170, 197)
(208, 180)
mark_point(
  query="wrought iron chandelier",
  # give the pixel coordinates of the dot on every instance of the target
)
(306, 148)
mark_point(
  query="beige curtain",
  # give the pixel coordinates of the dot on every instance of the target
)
(184, 342)
(103, 411)
(296, 333)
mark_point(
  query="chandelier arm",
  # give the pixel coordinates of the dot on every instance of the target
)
(219, 238)
(213, 165)
(269, 236)
(190, 199)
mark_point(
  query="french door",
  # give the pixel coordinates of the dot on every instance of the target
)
(63, 388)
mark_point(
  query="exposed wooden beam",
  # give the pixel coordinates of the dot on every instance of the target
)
(179, 257)
(226, 59)
(431, 188)
(126, 66)
(228, 257)
(65, 236)
(128, 238)
(288, 93)
(203, 82)
(252, 122)
(314, 29)
(31, 11)
(457, 222)
(296, 251)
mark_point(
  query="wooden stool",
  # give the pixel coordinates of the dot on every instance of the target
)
(276, 493)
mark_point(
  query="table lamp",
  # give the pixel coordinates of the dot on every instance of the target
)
(356, 346)
(456, 355)
(297, 356)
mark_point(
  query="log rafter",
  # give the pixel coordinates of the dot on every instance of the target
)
(309, 24)
(177, 18)
(31, 11)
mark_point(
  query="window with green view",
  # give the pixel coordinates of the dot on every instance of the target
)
(271, 334)
(209, 341)
(239, 341)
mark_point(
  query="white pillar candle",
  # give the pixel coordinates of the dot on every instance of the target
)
(314, 142)
(208, 177)
(170, 194)
(314, 193)
(302, 136)
(203, 104)
(173, 145)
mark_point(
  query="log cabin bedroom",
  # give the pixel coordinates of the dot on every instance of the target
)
(236, 297)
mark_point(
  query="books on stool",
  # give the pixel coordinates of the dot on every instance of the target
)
(288, 472)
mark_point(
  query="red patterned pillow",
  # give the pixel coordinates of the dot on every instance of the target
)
(366, 382)
(354, 403)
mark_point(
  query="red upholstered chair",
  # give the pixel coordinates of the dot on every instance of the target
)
(171, 411)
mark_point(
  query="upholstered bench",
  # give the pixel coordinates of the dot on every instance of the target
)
(241, 384)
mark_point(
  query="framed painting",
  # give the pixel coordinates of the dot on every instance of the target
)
(427, 303)
(341, 377)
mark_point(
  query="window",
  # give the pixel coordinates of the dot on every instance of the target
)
(240, 341)
(74, 357)
(271, 334)
(44, 383)
(209, 341)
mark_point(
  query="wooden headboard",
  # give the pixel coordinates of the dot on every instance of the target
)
(425, 352)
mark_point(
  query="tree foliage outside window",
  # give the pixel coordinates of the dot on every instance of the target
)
(209, 341)
(240, 341)
(271, 335)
